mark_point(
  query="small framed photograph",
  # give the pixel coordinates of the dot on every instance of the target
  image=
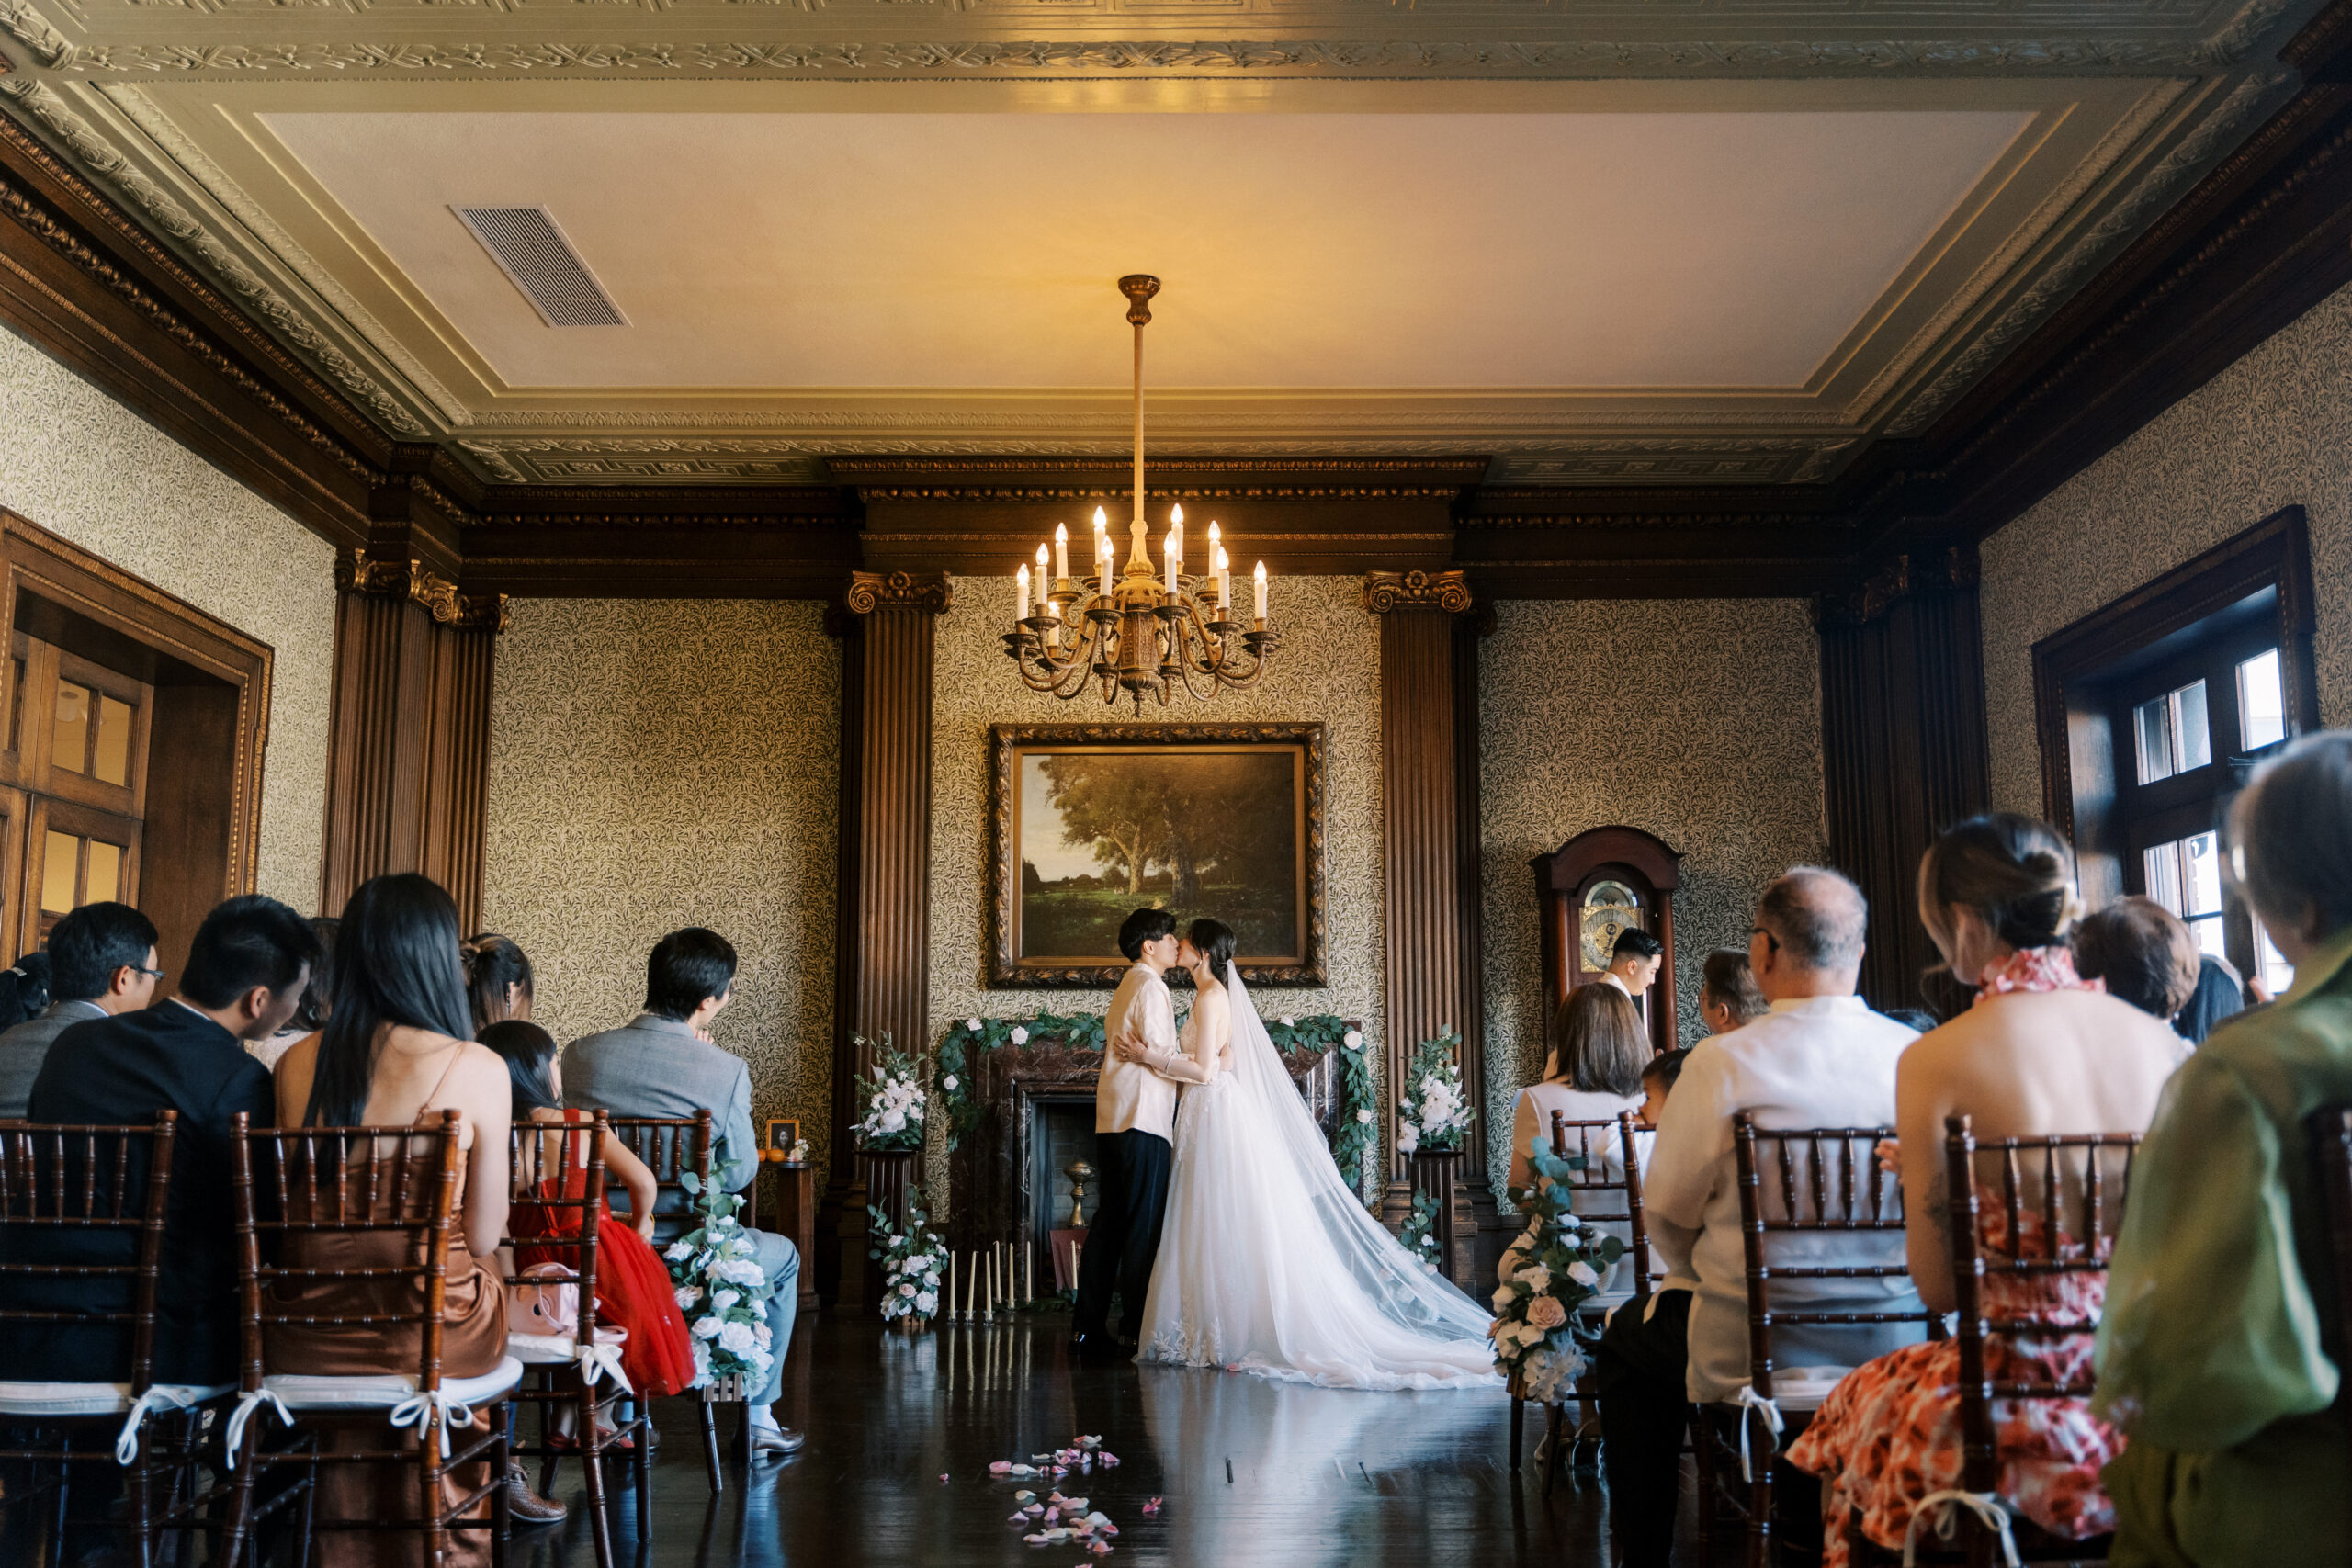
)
(781, 1137)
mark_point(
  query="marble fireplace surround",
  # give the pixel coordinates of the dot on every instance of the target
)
(991, 1175)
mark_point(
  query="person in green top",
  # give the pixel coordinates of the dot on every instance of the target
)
(2218, 1355)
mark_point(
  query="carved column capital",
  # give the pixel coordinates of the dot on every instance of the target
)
(872, 591)
(1416, 590)
(356, 572)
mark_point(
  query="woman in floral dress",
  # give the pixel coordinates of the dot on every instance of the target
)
(2041, 1051)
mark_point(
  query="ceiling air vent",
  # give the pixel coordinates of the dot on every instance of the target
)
(525, 242)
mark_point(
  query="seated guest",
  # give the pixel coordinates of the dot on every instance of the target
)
(2219, 1357)
(633, 1289)
(1819, 1058)
(396, 1052)
(661, 1064)
(2141, 951)
(24, 989)
(1728, 998)
(498, 979)
(1658, 1079)
(312, 1015)
(1633, 962)
(245, 970)
(2220, 994)
(101, 962)
(1594, 1075)
(2042, 1053)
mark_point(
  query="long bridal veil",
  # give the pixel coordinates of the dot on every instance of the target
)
(1400, 1325)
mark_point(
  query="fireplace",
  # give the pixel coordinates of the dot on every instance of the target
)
(1036, 1105)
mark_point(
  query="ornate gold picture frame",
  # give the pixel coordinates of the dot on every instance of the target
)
(1088, 822)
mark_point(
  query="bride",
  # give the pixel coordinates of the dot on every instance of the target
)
(1268, 1263)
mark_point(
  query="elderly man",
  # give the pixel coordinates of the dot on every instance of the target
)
(661, 1062)
(1819, 1058)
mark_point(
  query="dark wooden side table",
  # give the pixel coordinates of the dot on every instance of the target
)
(792, 1213)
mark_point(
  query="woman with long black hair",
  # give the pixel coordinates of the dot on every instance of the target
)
(397, 1050)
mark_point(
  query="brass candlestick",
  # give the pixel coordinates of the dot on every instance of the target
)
(1079, 1174)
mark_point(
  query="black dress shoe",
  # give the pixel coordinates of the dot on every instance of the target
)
(775, 1442)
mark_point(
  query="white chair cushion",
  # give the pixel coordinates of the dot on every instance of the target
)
(557, 1350)
(1802, 1389)
(302, 1391)
(37, 1399)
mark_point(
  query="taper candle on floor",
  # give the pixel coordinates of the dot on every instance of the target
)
(951, 1284)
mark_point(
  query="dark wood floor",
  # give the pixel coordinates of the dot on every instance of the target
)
(1252, 1471)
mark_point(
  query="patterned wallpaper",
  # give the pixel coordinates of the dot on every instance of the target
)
(658, 763)
(81, 465)
(2274, 429)
(1697, 720)
(1329, 669)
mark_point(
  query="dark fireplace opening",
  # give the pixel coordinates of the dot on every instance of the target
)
(1061, 1134)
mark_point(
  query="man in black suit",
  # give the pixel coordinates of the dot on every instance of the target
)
(245, 972)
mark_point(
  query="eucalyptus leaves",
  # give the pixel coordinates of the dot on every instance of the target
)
(895, 1099)
(1435, 1115)
(721, 1291)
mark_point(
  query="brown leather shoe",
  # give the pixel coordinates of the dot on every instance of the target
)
(526, 1506)
(775, 1442)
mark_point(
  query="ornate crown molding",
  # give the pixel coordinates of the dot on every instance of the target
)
(872, 591)
(355, 573)
(1388, 590)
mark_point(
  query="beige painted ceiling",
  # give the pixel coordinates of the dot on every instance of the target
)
(1609, 245)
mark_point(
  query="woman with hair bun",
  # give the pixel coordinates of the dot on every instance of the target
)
(498, 979)
(2040, 1051)
(2218, 1355)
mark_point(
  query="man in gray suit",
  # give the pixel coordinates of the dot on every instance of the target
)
(101, 961)
(661, 1064)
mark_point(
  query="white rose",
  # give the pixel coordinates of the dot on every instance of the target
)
(1583, 1274)
(908, 1292)
(1352, 1039)
(687, 1296)
(1364, 1116)
(1537, 1278)
(1407, 1140)
(893, 1120)
(707, 1329)
(722, 1299)
(1020, 1035)
(759, 1334)
(973, 1024)
(679, 1251)
(1290, 1023)
(735, 1339)
(1504, 1297)
(926, 1303)
(948, 1083)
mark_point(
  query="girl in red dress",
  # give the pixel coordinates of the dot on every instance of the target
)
(633, 1289)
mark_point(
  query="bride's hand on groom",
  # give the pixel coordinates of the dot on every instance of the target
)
(1132, 1051)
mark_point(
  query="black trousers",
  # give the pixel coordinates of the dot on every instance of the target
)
(1643, 1408)
(1132, 1172)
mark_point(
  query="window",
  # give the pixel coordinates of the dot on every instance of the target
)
(2261, 700)
(2277, 973)
(2174, 736)
(2185, 877)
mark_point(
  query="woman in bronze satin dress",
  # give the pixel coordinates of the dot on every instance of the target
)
(398, 1050)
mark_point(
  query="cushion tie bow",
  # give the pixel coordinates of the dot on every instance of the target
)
(420, 1410)
(602, 1358)
(1746, 1400)
(251, 1400)
(157, 1399)
(1985, 1505)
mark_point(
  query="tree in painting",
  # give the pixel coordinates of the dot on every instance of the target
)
(1199, 832)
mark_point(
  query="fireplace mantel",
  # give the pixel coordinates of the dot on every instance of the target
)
(990, 1174)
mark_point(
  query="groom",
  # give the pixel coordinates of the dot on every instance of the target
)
(1135, 1117)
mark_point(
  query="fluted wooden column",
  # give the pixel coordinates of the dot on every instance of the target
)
(884, 981)
(1903, 744)
(1431, 861)
(408, 758)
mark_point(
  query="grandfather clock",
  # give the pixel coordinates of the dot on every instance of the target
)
(1587, 891)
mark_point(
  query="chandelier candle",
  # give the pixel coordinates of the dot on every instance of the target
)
(1135, 629)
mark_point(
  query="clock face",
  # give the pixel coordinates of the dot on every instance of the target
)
(1609, 907)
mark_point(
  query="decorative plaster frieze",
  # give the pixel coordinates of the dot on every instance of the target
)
(355, 573)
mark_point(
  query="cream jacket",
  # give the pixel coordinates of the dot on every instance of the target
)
(1130, 1096)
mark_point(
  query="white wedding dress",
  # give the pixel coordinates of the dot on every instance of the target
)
(1268, 1263)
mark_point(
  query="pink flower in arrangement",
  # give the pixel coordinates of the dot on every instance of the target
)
(1546, 1312)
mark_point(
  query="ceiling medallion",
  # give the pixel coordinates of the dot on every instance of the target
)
(1148, 629)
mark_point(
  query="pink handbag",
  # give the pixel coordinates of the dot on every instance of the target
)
(544, 1300)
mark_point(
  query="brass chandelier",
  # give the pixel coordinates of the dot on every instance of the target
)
(1149, 628)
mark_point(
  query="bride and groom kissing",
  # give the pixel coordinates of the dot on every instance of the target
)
(1230, 1235)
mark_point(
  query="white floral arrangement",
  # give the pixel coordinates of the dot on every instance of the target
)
(1555, 1266)
(895, 1100)
(913, 1261)
(721, 1291)
(1434, 1113)
(1420, 1234)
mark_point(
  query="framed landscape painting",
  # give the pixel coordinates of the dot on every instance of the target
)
(1091, 821)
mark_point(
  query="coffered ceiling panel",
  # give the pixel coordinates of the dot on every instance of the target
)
(1596, 242)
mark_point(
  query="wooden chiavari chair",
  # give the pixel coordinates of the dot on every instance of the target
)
(2083, 1181)
(1826, 1182)
(671, 1148)
(290, 1182)
(2330, 1128)
(565, 1368)
(1592, 1183)
(95, 1185)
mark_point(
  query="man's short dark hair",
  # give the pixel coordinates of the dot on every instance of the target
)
(687, 969)
(247, 941)
(1143, 925)
(87, 946)
(1635, 942)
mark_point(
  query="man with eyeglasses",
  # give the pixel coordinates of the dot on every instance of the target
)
(102, 962)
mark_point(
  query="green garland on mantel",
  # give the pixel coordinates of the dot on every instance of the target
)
(1359, 1121)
